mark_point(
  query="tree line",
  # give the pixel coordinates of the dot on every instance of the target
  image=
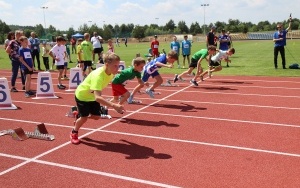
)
(139, 32)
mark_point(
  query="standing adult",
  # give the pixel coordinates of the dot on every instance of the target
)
(35, 49)
(154, 47)
(13, 50)
(97, 45)
(223, 40)
(279, 39)
(125, 41)
(210, 37)
(10, 36)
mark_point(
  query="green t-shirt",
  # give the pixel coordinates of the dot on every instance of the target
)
(200, 54)
(87, 49)
(126, 74)
(97, 80)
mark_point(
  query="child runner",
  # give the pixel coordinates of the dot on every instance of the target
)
(88, 94)
(151, 69)
(130, 73)
(27, 64)
(196, 62)
(58, 53)
(215, 61)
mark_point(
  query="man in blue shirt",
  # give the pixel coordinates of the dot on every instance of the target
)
(35, 49)
(279, 38)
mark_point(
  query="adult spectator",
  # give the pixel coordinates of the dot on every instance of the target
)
(210, 37)
(279, 39)
(10, 36)
(97, 45)
(223, 40)
(35, 49)
(13, 50)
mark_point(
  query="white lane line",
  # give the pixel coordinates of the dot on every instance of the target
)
(91, 132)
(116, 176)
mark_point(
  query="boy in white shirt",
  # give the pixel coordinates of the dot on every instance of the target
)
(58, 53)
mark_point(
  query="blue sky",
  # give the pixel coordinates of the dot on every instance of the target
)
(63, 14)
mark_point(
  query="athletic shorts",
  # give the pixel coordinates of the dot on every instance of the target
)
(186, 55)
(213, 64)
(66, 64)
(26, 71)
(87, 63)
(118, 89)
(98, 50)
(155, 53)
(59, 67)
(87, 108)
(146, 76)
(193, 63)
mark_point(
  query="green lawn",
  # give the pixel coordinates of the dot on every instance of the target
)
(251, 57)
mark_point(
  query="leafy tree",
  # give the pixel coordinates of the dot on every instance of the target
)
(170, 26)
(195, 28)
(183, 29)
(138, 32)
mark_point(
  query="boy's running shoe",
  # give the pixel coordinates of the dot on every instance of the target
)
(194, 82)
(13, 89)
(74, 138)
(129, 100)
(66, 78)
(150, 92)
(27, 94)
(175, 78)
(61, 87)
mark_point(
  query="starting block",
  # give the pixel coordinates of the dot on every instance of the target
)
(169, 84)
(73, 112)
(40, 133)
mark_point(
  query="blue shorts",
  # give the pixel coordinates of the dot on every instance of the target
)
(146, 76)
(66, 64)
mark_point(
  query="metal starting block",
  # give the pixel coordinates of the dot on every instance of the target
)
(40, 133)
(169, 84)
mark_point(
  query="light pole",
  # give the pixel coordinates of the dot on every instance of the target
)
(157, 21)
(204, 5)
(44, 18)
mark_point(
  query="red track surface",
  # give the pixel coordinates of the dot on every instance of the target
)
(228, 132)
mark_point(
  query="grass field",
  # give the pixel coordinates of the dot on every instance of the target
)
(251, 57)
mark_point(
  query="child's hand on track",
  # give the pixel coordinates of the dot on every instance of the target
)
(119, 108)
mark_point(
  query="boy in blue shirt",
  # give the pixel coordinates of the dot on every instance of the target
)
(186, 50)
(151, 69)
(27, 64)
(176, 47)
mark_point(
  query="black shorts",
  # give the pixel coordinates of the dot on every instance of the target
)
(87, 63)
(98, 50)
(87, 108)
(26, 71)
(213, 64)
(193, 63)
(59, 67)
(186, 55)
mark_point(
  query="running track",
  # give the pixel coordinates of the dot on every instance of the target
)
(228, 132)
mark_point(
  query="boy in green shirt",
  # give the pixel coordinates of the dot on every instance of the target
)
(118, 83)
(88, 94)
(196, 63)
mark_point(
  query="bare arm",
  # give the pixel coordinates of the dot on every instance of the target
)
(117, 107)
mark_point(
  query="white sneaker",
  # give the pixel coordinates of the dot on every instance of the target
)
(150, 93)
(130, 99)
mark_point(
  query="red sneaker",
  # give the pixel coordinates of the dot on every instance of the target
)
(74, 138)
